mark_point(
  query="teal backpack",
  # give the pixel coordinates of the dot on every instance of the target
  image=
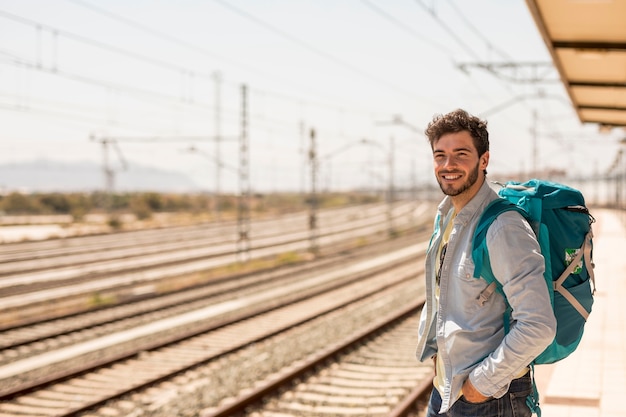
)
(562, 224)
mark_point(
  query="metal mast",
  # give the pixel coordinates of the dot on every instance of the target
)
(107, 170)
(391, 188)
(243, 212)
(313, 248)
(218, 167)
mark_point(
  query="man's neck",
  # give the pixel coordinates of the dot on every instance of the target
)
(461, 200)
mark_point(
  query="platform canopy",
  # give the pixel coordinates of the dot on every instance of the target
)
(587, 41)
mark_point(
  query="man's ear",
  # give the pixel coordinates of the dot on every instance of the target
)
(484, 160)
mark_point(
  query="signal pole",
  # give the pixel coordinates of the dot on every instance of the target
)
(313, 248)
(391, 188)
(243, 212)
(218, 167)
(109, 173)
(304, 157)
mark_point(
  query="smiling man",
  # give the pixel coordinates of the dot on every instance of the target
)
(480, 369)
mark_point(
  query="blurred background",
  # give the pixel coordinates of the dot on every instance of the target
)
(265, 97)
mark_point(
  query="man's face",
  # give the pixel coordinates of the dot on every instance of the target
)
(457, 165)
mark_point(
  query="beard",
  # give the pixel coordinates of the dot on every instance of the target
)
(451, 191)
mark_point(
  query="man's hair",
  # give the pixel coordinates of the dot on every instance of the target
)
(458, 121)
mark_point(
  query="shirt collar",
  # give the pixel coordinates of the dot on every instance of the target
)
(473, 208)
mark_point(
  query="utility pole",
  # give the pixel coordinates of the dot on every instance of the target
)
(413, 180)
(107, 170)
(304, 157)
(313, 248)
(217, 76)
(243, 212)
(391, 191)
(109, 174)
(399, 121)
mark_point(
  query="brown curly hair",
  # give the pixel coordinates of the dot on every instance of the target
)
(458, 121)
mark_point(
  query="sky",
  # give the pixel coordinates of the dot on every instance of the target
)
(162, 83)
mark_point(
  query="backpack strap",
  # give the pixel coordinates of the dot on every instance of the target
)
(532, 401)
(589, 260)
(480, 254)
(585, 250)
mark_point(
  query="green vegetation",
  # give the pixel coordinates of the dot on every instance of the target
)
(288, 258)
(99, 300)
(144, 205)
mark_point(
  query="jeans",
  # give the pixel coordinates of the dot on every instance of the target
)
(511, 404)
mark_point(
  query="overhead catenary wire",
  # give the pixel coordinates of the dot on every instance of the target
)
(204, 51)
(450, 32)
(311, 48)
(186, 71)
(448, 51)
(149, 95)
(101, 45)
(121, 51)
(478, 33)
(32, 65)
(162, 35)
(406, 28)
(332, 129)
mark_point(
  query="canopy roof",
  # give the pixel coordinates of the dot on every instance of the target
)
(587, 41)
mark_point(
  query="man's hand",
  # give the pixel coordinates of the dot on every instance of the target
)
(471, 394)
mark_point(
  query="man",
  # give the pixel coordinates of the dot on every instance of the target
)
(480, 370)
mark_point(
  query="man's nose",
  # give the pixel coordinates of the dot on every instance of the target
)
(449, 161)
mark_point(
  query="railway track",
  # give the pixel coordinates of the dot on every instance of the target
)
(370, 373)
(63, 290)
(81, 361)
(55, 253)
(161, 247)
(174, 354)
(25, 341)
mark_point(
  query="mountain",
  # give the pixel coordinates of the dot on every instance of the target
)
(51, 176)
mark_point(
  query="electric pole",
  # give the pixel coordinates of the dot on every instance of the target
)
(313, 248)
(243, 212)
(107, 170)
(390, 190)
(218, 167)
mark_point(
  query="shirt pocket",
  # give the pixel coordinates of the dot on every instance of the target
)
(465, 271)
(468, 289)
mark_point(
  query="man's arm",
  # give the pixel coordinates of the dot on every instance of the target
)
(517, 263)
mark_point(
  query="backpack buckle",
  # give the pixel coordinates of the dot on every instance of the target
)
(485, 294)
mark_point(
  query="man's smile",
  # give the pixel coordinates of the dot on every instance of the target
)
(451, 177)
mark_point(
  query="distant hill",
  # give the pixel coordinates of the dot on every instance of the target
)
(50, 176)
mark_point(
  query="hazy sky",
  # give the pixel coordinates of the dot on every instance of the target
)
(173, 71)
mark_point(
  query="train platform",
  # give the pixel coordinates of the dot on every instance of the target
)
(591, 382)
